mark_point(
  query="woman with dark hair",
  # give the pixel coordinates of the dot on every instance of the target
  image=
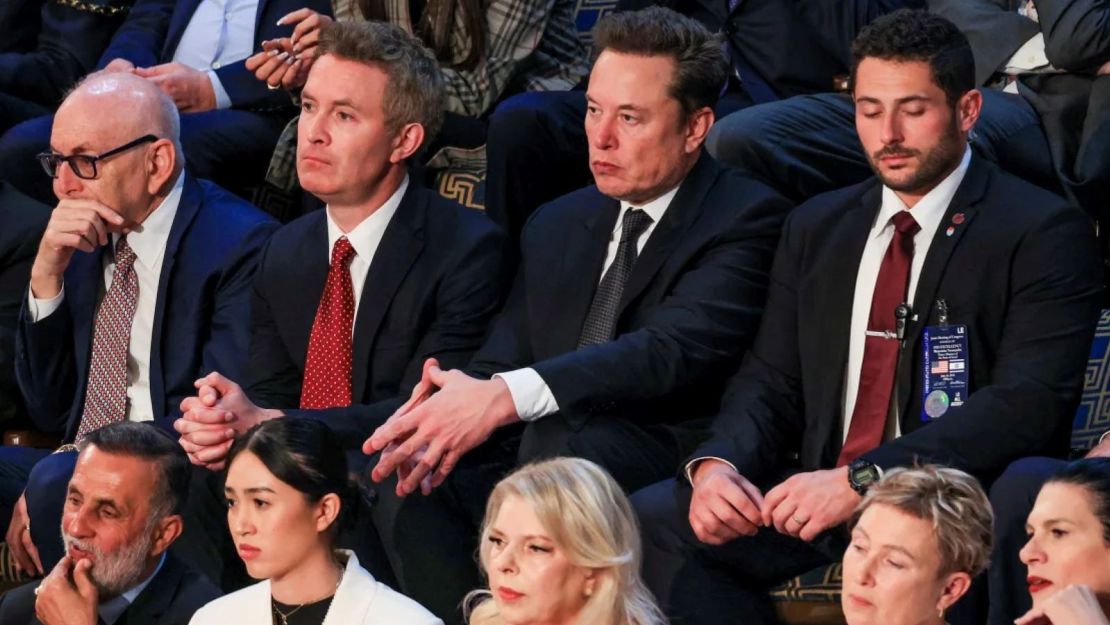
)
(1068, 553)
(287, 493)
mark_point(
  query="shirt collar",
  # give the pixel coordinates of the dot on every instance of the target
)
(149, 240)
(111, 610)
(366, 236)
(929, 210)
(655, 208)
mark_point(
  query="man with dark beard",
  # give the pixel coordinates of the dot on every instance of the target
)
(941, 312)
(122, 513)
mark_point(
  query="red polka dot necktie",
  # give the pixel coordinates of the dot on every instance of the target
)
(327, 369)
(106, 395)
(880, 348)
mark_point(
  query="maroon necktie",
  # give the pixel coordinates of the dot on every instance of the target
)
(106, 394)
(327, 369)
(880, 351)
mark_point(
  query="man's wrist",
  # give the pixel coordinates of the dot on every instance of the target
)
(503, 405)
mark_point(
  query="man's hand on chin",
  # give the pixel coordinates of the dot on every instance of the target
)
(424, 443)
(67, 596)
(807, 504)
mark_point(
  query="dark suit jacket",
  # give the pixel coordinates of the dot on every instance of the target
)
(153, 30)
(171, 598)
(796, 46)
(1074, 106)
(1022, 273)
(22, 222)
(433, 286)
(688, 313)
(70, 41)
(200, 318)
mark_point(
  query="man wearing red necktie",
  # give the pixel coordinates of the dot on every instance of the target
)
(941, 312)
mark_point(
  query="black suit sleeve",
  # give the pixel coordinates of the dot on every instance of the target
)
(227, 345)
(995, 32)
(45, 368)
(1076, 33)
(468, 296)
(142, 35)
(762, 411)
(508, 347)
(709, 316)
(1049, 324)
(70, 42)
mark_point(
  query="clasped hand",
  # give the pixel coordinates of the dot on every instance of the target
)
(725, 505)
(448, 414)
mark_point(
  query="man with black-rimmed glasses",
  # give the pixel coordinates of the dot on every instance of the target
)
(141, 284)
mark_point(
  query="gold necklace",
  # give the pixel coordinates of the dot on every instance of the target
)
(284, 616)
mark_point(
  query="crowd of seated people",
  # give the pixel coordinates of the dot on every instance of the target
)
(735, 326)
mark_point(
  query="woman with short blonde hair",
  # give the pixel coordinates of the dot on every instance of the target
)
(918, 539)
(560, 544)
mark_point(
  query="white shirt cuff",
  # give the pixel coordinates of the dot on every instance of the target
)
(690, 466)
(531, 395)
(223, 101)
(42, 308)
(1029, 58)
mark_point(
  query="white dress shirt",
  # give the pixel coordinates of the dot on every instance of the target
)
(148, 241)
(365, 239)
(220, 32)
(928, 212)
(531, 395)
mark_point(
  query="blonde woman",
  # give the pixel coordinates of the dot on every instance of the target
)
(918, 538)
(560, 546)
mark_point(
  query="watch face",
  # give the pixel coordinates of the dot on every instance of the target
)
(865, 474)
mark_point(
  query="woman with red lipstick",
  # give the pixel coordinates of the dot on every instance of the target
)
(287, 491)
(560, 546)
(918, 538)
(1068, 553)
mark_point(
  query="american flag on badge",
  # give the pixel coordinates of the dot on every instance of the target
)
(940, 366)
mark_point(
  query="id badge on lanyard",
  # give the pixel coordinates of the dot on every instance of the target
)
(944, 349)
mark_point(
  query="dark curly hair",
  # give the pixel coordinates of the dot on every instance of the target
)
(914, 35)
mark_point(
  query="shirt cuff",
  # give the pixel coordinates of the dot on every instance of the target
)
(40, 309)
(531, 395)
(1102, 439)
(690, 466)
(223, 101)
(1029, 58)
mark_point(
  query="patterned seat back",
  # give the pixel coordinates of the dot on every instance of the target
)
(1093, 416)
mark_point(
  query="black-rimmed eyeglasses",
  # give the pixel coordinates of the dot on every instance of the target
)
(84, 165)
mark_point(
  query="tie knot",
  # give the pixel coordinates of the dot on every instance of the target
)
(905, 223)
(342, 253)
(634, 224)
(125, 256)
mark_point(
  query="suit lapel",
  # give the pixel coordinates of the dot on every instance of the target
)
(157, 597)
(834, 299)
(970, 192)
(683, 211)
(400, 246)
(191, 197)
(579, 272)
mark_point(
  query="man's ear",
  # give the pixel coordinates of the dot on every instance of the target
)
(166, 532)
(968, 108)
(160, 164)
(697, 127)
(407, 141)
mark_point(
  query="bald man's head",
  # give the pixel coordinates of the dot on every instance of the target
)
(104, 112)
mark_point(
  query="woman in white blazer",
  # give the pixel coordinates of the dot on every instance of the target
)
(288, 492)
